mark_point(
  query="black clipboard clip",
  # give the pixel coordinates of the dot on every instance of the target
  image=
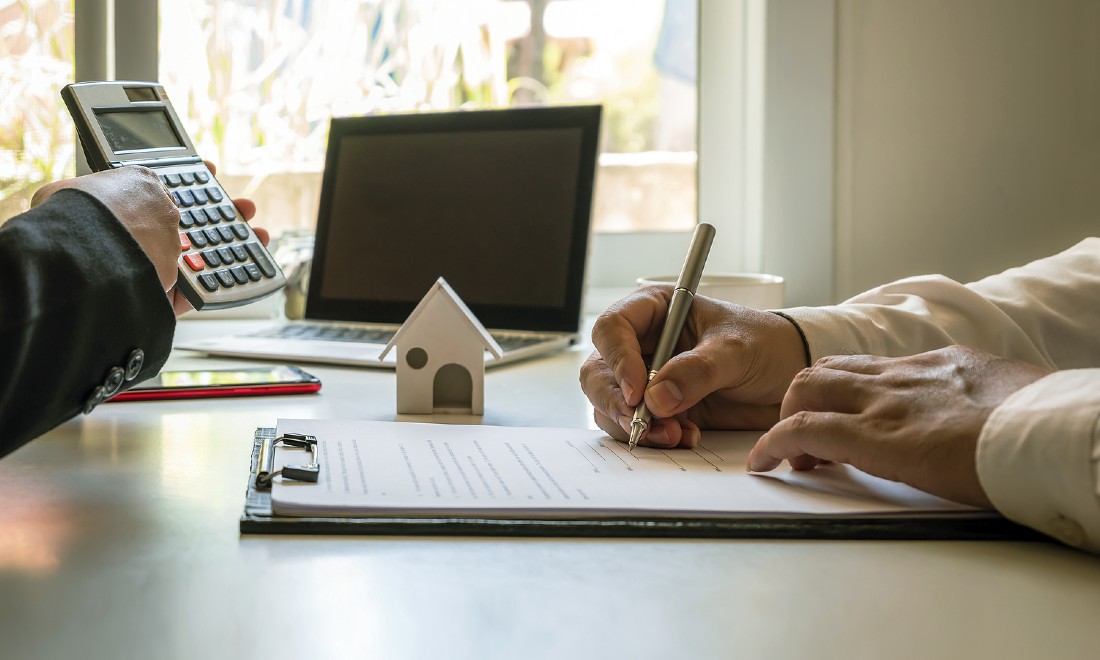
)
(309, 472)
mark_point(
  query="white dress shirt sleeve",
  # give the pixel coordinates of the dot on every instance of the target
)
(1039, 457)
(1039, 452)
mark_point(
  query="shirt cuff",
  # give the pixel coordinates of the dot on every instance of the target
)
(801, 335)
(1038, 457)
(831, 330)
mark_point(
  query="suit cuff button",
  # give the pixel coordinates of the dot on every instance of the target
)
(94, 399)
(134, 363)
(113, 382)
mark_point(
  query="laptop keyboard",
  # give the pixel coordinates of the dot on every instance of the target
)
(328, 333)
(321, 332)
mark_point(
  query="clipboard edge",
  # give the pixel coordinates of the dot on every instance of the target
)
(257, 518)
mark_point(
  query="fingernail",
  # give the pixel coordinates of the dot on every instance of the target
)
(756, 464)
(658, 436)
(666, 396)
(628, 391)
(691, 438)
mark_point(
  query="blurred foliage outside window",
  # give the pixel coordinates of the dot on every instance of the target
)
(36, 135)
(256, 82)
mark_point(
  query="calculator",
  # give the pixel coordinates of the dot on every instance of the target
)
(222, 263)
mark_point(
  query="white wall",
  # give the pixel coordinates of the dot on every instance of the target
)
(967, 135)
(796, 125)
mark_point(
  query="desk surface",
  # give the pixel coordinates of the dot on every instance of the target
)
(118, 539)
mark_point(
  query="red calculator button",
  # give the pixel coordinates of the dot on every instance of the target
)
(194, 261)
(185, 243)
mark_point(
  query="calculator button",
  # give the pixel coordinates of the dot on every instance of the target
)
(254, 273)
(239, 274)
(200, 195)
(202, 177)
(240, 230)
(213, 236)
(185, 243)
(186, 221)
(227, 212)
(227, 234)
(240, 253)
(212, 258)
(209, 282)
(198, 216)
(260, 258)
(194, 261)
(173, 180)
(187, 178)
(225, 277)
(216, 195)
(212, 215)
(226, 254)
(184, 198)
(198, 238)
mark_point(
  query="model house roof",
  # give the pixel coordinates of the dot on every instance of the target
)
(441, 293)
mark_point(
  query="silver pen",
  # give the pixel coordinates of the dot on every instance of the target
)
(678, 308)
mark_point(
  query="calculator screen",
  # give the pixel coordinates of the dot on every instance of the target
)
(138, 130)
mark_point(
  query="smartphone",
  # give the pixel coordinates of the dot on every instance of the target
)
(221, 263)
(249, 381)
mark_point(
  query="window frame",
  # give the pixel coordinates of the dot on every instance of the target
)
(766, 156)
(616, 259)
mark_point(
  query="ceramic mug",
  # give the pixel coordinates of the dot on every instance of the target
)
(756, 290)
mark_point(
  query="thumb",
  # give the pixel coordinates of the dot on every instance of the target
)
(689, 377)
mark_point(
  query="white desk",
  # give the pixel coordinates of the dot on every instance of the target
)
(118, 539)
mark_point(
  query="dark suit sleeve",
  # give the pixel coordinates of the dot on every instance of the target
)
(78, 297)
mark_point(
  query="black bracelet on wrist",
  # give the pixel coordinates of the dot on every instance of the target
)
(802, 335)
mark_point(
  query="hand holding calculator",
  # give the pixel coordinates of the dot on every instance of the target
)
(222, 263)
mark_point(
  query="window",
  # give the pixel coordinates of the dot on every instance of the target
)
(36, 136)
(728, 160)
(258, 81)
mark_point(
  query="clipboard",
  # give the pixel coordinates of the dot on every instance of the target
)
(257, 518)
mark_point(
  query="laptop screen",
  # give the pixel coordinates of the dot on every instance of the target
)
(497, 202)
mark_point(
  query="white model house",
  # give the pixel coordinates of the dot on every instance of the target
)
(441, 356)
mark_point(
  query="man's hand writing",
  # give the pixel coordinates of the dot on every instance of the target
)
(729, 369)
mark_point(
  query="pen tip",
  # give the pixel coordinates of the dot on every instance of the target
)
(636, 431)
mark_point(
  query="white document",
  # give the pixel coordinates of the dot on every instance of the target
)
(373, 469)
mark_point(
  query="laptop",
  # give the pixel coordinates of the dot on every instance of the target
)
(497, 202)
